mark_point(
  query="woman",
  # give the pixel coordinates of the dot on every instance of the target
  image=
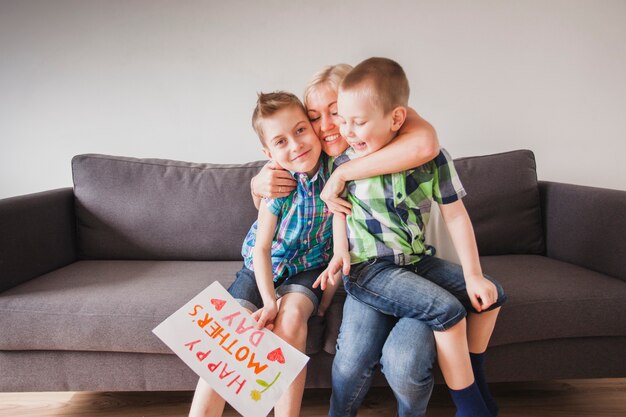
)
(404, 347)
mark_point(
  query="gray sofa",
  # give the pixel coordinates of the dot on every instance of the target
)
(86, 273)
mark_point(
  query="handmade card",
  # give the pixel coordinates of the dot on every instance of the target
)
(218, 339)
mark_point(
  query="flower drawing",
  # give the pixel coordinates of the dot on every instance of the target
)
(255, 394)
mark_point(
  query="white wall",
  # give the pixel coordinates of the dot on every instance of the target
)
(178, 79)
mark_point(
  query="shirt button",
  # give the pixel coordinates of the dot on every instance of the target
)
(310, 194)
(305, 242)
(399, 195)
(309, 222)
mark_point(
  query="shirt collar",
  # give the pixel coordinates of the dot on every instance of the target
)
(303, 175)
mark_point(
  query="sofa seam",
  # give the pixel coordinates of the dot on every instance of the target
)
(218, 166)
(73, 314)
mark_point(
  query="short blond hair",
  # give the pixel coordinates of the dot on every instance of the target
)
(331, 75)
(385, 78)
(268, 104)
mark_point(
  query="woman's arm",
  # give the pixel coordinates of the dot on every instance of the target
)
(415, 144)
(273, 181)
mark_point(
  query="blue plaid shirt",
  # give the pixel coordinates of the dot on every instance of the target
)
(303, 236)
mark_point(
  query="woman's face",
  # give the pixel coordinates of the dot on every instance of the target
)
(321, 105)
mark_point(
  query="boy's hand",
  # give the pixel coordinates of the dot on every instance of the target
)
(273, 181)
(332, 190)
(482, 292)
(265, 316)
(327, 297)
(339, 263)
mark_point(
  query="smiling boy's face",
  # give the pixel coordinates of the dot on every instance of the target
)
(364, 125)
(290, 141)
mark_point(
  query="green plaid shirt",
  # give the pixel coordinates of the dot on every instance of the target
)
(389, 212)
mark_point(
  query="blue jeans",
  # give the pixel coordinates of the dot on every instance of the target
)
(407, 347)
(431, 290)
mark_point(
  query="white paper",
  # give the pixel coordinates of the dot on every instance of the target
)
(217, 338)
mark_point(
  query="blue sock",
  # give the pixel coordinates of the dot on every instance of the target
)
(478, 366)
(469, 402)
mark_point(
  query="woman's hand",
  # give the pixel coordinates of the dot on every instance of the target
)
(273, 181)
(332, 190)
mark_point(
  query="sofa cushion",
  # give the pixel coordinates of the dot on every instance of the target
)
(550, 299)
(129, 208)
(503, 202)
(110, 305)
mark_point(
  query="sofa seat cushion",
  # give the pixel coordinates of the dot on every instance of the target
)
(109, 305)
(550, 299)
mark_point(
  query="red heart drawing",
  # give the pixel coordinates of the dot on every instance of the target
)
(276, 355)
(218, 303)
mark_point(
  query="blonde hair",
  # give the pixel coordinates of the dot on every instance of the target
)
(268, 104)
(331, 75)
(384, 78)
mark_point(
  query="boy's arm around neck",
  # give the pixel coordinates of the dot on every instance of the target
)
(415, 144)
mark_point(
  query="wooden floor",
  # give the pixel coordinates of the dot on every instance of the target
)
(580, 398)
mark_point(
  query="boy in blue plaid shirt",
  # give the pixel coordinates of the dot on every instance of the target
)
(287, 247)
(392, 269)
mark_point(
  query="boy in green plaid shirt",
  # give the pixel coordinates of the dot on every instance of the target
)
(383, 250)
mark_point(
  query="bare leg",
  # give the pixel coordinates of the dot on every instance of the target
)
(291, 325)
(479, 329)
(456, 367)
(453, 356)
(206, 402)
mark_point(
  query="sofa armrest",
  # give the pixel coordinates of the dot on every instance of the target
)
(37, 235)
(585, 226)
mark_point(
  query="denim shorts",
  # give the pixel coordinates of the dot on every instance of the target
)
(246, 291)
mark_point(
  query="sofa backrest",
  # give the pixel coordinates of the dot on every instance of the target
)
(130, 208)
(503, 202)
